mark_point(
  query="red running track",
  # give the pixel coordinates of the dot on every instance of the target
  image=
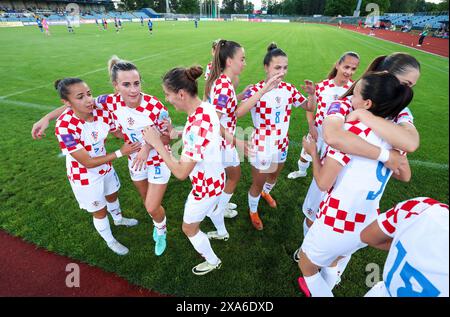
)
(430, 44)
(27, 270)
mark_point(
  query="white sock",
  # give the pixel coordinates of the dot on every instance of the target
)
(317, 286)
(330, 275)
(342, 264)
(224, 200)
(219, 221)
(305, 228)
(201, 244)
(114, 210)
(302, 166)
(268, 187)
(160, 227)
(103, 228)
(253, 203)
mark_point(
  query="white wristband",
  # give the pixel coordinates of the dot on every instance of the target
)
(384, 156)
(118, 153)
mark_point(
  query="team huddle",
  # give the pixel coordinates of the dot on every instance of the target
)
(359, 135)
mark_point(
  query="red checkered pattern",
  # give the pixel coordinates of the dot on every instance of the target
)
(338, 219)
(207, 187)
(208, 70)
(68, 125)
(198, 136)
(324, 90)
(405, 117)
(355, 127)
(109, 102)
(405, 210)
(150, 108)
(223, 86)
(272, 131)
(199, 126)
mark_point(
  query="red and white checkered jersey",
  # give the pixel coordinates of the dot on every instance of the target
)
(202, 143)
(271, 116)
(74, 134)
(353, 201)
(342, 107)
(132, 121)
(208, 70)
(326, 93)
(223, 97)
(418, 260)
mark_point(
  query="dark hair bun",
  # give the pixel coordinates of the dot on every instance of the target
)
(272, 46)
(57, 83)
(194, 72)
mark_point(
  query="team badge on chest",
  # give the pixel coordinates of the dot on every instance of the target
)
(130, 122)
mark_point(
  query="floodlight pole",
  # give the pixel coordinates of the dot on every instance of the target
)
(167, 6)
(358, 9)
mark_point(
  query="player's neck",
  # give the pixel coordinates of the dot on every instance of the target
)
(340, 82)
(192, 104)
(88, 117)
(228, 72)
(135, 104)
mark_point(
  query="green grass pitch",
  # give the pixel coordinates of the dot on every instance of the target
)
(36, 202)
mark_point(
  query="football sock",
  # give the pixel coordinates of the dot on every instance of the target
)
(318, 286)
(201, 244)
(253, 203)
(103, 228)
(330, 275)
(219, 221)
(268, 187)
(160, 227)
(114, 210)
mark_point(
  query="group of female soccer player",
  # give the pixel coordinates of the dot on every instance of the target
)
(357, 139)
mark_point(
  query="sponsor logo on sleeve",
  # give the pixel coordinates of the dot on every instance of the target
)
(222, 101)
(335, 107)
(69, 140)
(102, 98)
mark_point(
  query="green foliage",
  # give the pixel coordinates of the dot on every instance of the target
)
(339, 7)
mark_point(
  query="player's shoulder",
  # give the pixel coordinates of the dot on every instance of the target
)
(358, 128)
(150, 100)
(107, 98)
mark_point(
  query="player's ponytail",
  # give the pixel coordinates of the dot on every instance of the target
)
(183, 78)
(115, 65)
(272, 51)
(62, 86)
(389, 97)
(395, 63)
(375, 65)
(224, 50)
(341, 59)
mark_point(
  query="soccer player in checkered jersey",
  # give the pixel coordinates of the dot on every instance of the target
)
(329, 90)
(399, 132)
(133, 110)
(354, 187)
(200, 160)
(415, 232)
(81, 131)
(337, 83)
(270, 102)
(228, 63)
